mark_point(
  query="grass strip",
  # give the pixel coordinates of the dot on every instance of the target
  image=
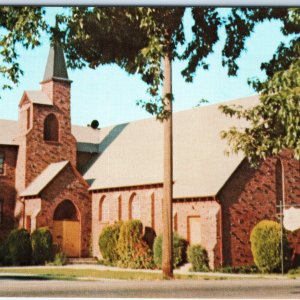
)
(69, 274)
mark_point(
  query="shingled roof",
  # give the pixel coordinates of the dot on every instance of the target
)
(8, 132)
(38, 184)
(131, 154)
(134, 155)
(37, 97)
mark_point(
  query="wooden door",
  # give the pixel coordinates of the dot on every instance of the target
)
(58, 234)
(71, 238)
(194, 230)
(66, 234)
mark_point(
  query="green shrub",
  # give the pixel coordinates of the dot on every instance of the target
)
(132, 249)
(294, 271)
(19, 247)
(179, 250)
(149, 236)
(266, 246)
(4, 255)
(108, 241)
(198, 257)
(42, 246)
(60, 259)
(238, 269)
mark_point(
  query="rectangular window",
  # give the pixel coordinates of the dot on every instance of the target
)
(1, 163)
(28, 118)
(28, 223)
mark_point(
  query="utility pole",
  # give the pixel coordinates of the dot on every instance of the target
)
(281, 227)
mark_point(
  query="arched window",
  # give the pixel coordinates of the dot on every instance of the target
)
(51, 128)
(134, 207)
(152, 211)
(104, 209)
(175, 222)
(120, 208)
(66, 210)
(28, 117)
(279, 174)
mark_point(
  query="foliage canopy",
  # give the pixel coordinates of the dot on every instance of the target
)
(19, 26)
(274, 124)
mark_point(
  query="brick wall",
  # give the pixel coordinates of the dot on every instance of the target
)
(209, 213)
(66, 186)
(291, 169)
(35, 154)
(248, 197)
(118, 203)
(83, 159)
(7, 190)
(151, 215)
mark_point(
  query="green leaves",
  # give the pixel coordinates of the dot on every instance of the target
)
(137, 39)
(205, 36)
(274, 124)
(18, 26)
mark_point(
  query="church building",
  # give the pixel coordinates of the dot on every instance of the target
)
(77, 179)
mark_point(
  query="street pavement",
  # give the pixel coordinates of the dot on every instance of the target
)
(230, 288)
(237, 286)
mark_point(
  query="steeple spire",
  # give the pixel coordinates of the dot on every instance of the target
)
(56, 66)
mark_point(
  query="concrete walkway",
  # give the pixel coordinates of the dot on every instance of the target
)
(184, 270)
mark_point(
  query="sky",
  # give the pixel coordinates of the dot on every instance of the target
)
(108, 94)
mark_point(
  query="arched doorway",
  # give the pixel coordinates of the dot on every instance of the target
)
(66, 228)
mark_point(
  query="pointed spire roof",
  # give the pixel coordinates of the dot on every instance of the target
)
(56, 66)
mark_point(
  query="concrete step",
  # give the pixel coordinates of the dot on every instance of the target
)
(185, 268)
(82, 261)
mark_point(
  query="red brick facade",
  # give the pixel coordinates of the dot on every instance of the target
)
(250, 196)
(224, 220)
(35, 153)
(67, 186)
(7, 190)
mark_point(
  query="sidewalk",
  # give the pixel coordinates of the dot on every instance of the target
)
(184, 270)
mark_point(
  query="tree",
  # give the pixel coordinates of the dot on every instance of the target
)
(18, 26)
(274, 124)
(144, 41)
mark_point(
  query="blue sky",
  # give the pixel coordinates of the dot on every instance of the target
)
(109, 94)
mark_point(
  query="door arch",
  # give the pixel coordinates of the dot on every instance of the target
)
(66, 228)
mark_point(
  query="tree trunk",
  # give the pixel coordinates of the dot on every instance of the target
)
(167, 240)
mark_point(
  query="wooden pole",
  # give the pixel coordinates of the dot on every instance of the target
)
(281, 237)
(167, 240)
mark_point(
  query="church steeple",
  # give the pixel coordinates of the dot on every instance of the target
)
(56, 66)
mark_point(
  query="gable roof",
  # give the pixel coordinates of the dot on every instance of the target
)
(39, 183)
(37, 97)
(131, 154)
(200, 167)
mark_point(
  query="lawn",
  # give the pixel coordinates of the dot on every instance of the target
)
(75, 274)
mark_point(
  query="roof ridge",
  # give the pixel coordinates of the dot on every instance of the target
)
(177, 112)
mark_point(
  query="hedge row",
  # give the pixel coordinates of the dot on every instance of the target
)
(20, 249)
(179, 250)
(123, 244)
